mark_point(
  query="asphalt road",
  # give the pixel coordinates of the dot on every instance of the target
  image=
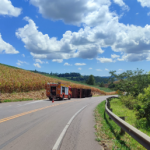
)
(36, 125)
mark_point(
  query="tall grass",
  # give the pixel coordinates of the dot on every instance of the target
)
(108, 132)
(19, 80)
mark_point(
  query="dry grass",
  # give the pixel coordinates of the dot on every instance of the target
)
(18, 80)
(35, 95)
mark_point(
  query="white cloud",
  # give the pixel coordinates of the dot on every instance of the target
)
(79, 68)
(120, 59)
(132, 57)
(90, 68)
(37, 65)
(23, 55)
(87, 43)
(144, 3)
(119, 69)
(81, 12)
(137, 13)
(114, 56)
(43, 47)
(122, 4)
(80, 64)
(47, 62)
(67, 64)
(6, 8)
(98, 70)
(39, 61)
(57, 60)
(105, 60)
(106, 69)
(148, 14)
(6, 47)
(19, 63)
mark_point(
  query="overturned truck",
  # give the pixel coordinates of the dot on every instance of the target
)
(61, 91)
(81, 93)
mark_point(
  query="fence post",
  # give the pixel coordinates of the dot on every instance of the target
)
(108, 104)
(0, 97)
(122, 131)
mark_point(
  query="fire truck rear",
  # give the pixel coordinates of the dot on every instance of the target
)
(58, 91)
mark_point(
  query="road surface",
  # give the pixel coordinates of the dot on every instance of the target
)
(37, 125)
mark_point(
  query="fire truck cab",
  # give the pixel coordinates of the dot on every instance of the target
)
(58, 91)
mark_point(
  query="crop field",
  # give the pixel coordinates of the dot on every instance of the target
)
(19, 80)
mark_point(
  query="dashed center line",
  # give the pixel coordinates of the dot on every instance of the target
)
(35, 110)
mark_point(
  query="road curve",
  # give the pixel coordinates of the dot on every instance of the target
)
(36, 125)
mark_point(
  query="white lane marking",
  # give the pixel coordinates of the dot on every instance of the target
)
(59, 140)
(30, 103)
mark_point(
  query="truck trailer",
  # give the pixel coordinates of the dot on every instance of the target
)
(58, 91)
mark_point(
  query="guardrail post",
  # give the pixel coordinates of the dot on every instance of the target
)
(108, 104)
(122, 131)
(0, 98)
(111, 111)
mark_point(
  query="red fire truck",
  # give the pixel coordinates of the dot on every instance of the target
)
(58, 91)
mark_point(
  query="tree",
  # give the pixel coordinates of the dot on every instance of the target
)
(102, 84)
(132, 82)
(91, 80)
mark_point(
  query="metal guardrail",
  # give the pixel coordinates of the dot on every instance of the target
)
(139, 136)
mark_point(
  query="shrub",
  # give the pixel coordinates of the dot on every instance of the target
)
(143, 111)
(101, 84)
(111, 85)
(128, 101)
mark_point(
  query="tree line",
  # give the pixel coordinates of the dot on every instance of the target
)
(97, 80)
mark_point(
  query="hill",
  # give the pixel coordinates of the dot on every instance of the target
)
(13, 79)
(74, 76)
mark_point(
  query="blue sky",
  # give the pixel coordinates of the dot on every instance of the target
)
(85, 36)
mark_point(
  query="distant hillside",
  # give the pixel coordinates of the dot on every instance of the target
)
(13, 79)
(75, 76)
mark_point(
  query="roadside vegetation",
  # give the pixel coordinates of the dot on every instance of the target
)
(15, 80)
(108, 132)
(133, 103)
(131, 115)
(136, 84)
(22, 96)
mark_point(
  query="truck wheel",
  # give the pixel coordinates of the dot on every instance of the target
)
(63, 97)
(69, 97)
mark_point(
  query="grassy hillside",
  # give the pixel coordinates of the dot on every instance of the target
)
(13, 79)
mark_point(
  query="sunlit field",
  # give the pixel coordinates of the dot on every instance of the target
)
(19, 80)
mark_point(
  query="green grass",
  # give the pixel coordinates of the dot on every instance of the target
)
(129, 114)
(121, 110)
(109, 132)
(16, 100)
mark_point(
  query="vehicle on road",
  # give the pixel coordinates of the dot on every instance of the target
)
(58, 91)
